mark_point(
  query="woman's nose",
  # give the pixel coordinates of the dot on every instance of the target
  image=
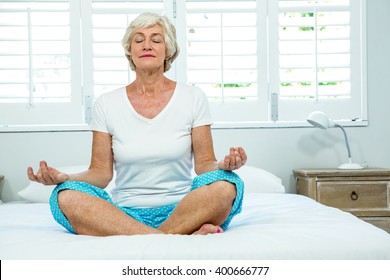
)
(147, 45)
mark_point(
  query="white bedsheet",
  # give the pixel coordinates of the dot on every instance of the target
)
(271, 226)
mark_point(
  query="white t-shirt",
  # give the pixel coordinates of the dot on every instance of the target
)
(153, 157)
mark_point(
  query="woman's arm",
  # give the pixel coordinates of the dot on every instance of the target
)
(99, 173)
(204, 157)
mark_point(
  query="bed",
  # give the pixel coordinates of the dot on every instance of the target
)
(273, 225)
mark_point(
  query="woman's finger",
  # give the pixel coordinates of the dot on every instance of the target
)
(31, 175)
(243, 155)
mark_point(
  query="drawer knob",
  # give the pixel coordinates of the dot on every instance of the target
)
(354, 195)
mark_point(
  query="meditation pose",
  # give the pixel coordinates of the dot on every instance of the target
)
(153, 131)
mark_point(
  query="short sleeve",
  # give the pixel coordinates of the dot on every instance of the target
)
(99, 116)
(202, 113)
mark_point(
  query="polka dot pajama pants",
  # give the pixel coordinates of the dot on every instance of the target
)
(152, 217)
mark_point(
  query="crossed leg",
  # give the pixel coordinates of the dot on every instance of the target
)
(200, 212)
(90, 215)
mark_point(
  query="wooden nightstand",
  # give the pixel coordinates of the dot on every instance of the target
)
(365, 193)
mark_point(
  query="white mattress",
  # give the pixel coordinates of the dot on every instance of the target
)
(271, 226)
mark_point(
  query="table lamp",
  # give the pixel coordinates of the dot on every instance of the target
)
(321, 120)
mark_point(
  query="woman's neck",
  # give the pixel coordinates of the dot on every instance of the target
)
(150, 83)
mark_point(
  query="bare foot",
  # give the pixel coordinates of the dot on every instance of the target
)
(208, 228)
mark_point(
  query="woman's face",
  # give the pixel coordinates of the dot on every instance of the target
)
(148, 48)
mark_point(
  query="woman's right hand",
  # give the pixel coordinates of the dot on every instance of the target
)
(47, 175)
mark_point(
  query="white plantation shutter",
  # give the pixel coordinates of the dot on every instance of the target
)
(224, 57)
(319, 58)
(37, 63)
(260, 62)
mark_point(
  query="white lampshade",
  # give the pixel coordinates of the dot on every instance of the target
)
(320, 120)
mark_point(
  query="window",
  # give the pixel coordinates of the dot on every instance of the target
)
(39, 80)
(223, 55)
(261, 62)
(320, 58)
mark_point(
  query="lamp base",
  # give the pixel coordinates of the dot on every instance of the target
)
(350, 166)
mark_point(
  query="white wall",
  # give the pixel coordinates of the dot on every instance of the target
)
(277, 150)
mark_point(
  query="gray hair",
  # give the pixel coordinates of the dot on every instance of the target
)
(146, 20)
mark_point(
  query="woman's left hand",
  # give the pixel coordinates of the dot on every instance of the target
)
(234, 160)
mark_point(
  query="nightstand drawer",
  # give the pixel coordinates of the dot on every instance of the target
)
(381, 222)
(354, 195)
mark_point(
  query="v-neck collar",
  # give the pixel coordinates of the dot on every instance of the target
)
(159, 115)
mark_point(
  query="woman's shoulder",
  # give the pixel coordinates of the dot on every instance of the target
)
(112, 96)
(190, 89)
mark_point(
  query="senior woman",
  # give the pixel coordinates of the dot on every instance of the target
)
(152, 131)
